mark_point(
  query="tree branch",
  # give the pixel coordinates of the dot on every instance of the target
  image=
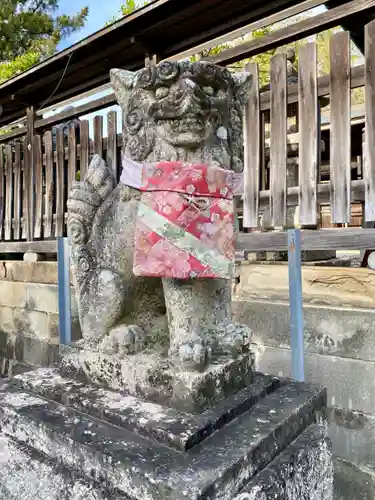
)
(38, 5)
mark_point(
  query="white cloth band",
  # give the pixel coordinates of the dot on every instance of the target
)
(131, 174)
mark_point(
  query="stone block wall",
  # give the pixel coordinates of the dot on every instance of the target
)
(339, 323)
(29, 332)
(339, 327)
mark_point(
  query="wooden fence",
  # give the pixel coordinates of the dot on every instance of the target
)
(38, 163)
(338, 192)
(33, 201)
(341, 191)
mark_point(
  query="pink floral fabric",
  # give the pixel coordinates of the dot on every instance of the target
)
(185, 222)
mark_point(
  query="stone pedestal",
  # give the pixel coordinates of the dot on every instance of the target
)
(263, 441)
(151, 375)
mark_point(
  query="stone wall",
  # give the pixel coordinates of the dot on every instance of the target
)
(339, 322)
(29, 332)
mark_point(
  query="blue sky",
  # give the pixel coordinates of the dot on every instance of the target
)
(100, 11)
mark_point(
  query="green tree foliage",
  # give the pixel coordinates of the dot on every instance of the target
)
(131, 5)
(263, 59)
(30, 30)
(128, 8)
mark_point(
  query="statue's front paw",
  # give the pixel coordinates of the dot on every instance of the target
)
(234, 339)
(124, 339)
(193, 355)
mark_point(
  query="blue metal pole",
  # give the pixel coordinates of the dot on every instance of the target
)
(295, 301)
(65, 313)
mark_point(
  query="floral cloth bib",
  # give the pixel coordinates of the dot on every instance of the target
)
(185, 221)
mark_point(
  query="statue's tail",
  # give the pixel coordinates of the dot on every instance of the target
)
(86, 196)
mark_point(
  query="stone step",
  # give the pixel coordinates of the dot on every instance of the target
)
(142, 468)
(93, 449)
(150, 375)
(28, 475)
(166, 425)
(352, 482)
(297, 469)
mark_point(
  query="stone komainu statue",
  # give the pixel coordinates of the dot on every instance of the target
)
(191, 112)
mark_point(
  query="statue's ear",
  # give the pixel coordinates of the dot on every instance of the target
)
(242, 85)
(122, 82)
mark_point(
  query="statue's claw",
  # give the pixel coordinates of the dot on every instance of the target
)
(124, 339)
(233, 339)
(193, 355)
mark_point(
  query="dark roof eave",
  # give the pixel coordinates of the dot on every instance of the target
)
(124, 44)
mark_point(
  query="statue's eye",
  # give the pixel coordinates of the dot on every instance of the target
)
(208, 90)
(161, 92)
(134, 120)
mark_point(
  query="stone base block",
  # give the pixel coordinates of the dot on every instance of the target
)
(303, 470)
(152, 376)
(28, 475)
(264, 435)
(352, 481)
(169, 426)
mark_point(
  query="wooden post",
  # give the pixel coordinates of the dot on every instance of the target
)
(369, 153)
(60, 183)
(151, 60)
(252, 152)
(98, 135)
(17, 192)
(340, 131)
(112, 142)
(85, 149)
(48, 205)
(2, 189)
(29, 174)
(38, 187)
(308, 133)
(278, 149)
(264, 177)
(8, 192)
